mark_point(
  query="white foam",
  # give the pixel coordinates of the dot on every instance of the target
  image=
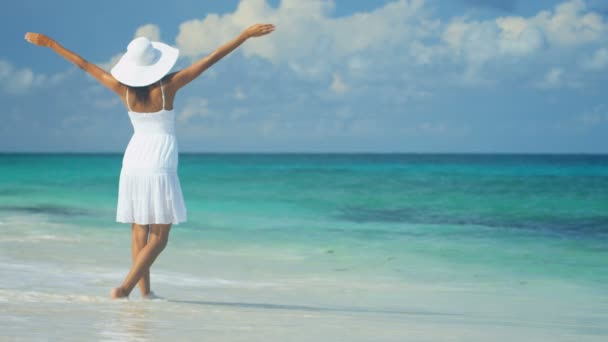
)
(37, 238)
(47, 297)
(180, 279)
(90, 277)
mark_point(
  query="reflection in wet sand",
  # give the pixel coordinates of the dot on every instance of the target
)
(130, 321)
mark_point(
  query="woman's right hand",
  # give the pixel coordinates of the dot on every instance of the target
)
(258, 30)
(38, 39)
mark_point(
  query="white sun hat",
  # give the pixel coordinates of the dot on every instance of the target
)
(145, 62)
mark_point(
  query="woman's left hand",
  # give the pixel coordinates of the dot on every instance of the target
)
(39, 39)
(258, 30)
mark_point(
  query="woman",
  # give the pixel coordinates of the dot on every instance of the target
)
(149, 194)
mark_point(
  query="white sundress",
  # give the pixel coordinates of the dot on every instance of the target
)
(149, 189)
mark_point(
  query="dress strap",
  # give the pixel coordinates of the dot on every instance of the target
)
(163, 92)
(128, 100)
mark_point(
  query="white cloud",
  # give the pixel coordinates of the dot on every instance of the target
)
(105, 102)
(338, 86)
(475, 42)
(598, 61)
(107, 66)
(401, 35)
(271, 125)
(306, 70)
(357, 63)
(519, 37)
(150, 31)
(267, 127)
(559, 78)
(344, 112)
(553, 79)
(239, 94)
(597, 116)
(307, 36)
(18, 81)
(591, 119)
(195, 106)
(237, 113)
(570, 24)
(364, 126)
(199, 36)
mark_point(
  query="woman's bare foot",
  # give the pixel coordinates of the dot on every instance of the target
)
(118, 292)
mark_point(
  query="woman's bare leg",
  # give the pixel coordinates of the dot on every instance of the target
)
(139, 239)
(159, 236)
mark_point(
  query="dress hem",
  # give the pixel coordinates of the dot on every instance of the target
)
(133, 221)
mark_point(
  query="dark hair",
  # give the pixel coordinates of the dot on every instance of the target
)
(142, 93)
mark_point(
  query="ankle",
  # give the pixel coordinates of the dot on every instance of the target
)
(119, 292)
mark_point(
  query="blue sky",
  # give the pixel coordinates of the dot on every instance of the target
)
(335, 76)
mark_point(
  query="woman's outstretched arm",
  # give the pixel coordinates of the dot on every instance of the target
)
(186, 75)
(104, 77)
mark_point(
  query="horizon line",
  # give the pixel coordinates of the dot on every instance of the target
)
(326, 152)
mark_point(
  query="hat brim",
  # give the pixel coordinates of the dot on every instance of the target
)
(126, 72)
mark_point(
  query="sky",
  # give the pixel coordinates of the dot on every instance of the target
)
(422, 76)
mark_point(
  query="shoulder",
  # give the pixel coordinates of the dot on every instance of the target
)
(168, 78)
(169, 82)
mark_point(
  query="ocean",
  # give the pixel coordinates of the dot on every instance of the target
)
(314, 247)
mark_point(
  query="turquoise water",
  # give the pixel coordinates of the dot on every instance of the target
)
(505, 227)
